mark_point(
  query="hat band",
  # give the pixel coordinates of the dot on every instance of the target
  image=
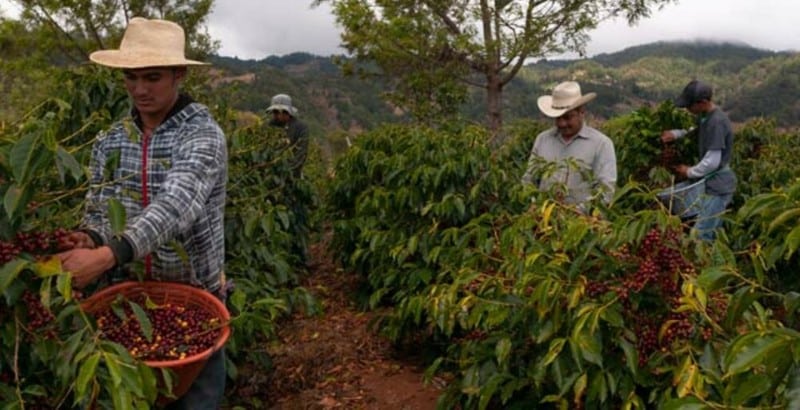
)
(561, 107)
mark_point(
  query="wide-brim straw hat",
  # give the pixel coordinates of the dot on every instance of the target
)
(566, 96)
(147, 43)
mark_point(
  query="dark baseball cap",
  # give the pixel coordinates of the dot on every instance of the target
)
(695, 91)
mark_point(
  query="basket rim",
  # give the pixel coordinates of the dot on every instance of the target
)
(128, 286)
(679, 188)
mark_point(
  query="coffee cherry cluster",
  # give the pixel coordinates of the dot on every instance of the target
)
(677, 327)
(650, 294)
(38, 315)
(177, 331)
(38, 243)
(668, 155)
(647, 340)
(596, 288)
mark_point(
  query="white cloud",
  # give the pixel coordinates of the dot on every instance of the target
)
(255, 29)
(260, 28)
(766, 24)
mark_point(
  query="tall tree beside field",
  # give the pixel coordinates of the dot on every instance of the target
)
(432, 50)
(50, 35)
(72, 29)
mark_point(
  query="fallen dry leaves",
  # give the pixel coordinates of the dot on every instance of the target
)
(333, 361)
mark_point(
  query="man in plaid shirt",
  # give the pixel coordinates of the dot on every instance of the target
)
(166, 164)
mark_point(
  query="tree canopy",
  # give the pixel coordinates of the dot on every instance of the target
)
(49, 35)
(432, 50)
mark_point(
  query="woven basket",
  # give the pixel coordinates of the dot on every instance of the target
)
(185, 369)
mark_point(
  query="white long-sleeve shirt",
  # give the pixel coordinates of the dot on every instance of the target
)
(708, 164)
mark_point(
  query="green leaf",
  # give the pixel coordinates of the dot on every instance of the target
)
(9, 271)
(791, 302)
(739, 303)
(792, 242)
(121, 398)
(751, 349)
(64, 286)
(116, 307)
(709, 362)
(73, 343)
(590, 345)
(44, 292)
(783, 218)
(579, 388)
(238, 300)
(412, 244)
(612, 316)
(712, 278)
(21, 157)
(793, 390)
(489, 388)
(86, 374)
(116, 216)
(112, 163)
(131, 379)
(149, 381)
(556, 346)
(168, 379)
(144, 321)
(631, 355)
(12, 199)
(598, 389)
(685, 403)
(150, 304)
(65, 160)
(752, 386)
(502, 351)
(113, 370)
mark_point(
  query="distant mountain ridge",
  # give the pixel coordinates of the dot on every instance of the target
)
(698, 51)
(749, 82)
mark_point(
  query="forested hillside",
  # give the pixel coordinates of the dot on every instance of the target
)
(750, 83)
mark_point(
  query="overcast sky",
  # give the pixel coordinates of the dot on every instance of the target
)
(255, 29)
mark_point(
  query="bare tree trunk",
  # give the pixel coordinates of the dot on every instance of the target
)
(494, 103)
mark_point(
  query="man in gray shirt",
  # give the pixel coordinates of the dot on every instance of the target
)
(572, 155)
(715, 143)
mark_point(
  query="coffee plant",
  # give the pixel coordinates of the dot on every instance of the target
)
(53, 354)
(265, 223)
(400, 196)
(641, 156)
(526, 302)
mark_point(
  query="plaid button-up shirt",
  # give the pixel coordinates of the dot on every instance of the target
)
(182, 226)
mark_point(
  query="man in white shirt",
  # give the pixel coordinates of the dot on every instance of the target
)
(572, 155)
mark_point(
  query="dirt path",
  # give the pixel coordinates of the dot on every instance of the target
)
(334, 361)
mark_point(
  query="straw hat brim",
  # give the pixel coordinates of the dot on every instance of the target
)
(121, 59)
(545, 104)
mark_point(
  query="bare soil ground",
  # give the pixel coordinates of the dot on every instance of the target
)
(334, 361)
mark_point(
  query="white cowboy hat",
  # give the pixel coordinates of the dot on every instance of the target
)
(282, 102)
(147, 43)
(566, 96)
